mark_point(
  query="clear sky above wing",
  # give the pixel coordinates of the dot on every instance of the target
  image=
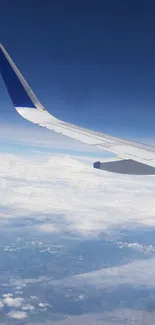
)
(28, 106)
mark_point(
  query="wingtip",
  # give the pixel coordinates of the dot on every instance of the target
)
(20, 92)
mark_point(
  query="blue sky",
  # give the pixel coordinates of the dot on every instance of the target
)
(90, 63)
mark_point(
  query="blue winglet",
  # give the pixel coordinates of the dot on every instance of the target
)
(15, 87)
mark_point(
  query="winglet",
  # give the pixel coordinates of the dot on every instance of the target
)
(18, 89)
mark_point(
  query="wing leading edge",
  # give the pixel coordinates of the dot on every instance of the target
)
(28, 106)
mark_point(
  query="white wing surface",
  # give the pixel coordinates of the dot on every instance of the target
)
(28, 106)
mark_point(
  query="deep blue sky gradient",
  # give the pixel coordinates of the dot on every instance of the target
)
(90, 63)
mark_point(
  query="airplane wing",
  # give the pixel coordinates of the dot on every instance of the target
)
(135, 156)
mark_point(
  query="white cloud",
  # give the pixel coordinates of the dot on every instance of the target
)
(1, 304)
(34, 297)
(43, 305)
(18, 292)
(27, 307)
(13, 302)
(137, 273)
(49, 228)
(74, 196)
(7, 295)
(17, 314)
(80, 297)
(24, 282)
(136, 246)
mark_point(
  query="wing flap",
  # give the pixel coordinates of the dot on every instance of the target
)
(129, 167)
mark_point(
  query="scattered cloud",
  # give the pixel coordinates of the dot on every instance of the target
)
(43, 305)
(34, 298)
(136, 246)
(7, 295)
(27, 307)
(80, 297)
(18, 292)
(17, 314)
(13, 302)
(1, 304)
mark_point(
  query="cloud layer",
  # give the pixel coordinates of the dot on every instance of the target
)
(59, 194)
(138, 273)
(66, 194)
